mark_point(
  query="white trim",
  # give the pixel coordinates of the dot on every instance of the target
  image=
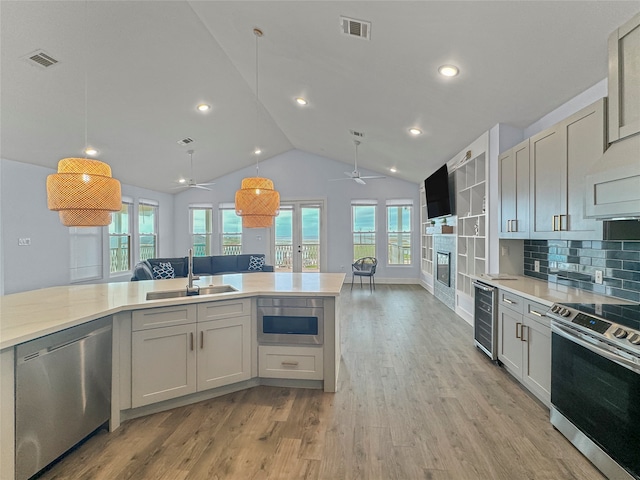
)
(399, 202)
(384, 281)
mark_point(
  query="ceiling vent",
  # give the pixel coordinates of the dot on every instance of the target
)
(41, 59)
(186, 141)
(356, 134)
(356, 28)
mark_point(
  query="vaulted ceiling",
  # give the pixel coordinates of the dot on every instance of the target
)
(130, 74)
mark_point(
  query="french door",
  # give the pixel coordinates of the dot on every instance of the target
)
(298, 237)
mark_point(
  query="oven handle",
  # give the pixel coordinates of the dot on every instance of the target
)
(600, 348)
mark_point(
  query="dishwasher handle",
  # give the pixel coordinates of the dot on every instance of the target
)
(483, 287)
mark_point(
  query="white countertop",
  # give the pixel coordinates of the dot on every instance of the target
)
(545, 292)
(28, 315)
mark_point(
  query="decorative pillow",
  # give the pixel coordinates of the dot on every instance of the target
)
(163, 271)
(256, 263)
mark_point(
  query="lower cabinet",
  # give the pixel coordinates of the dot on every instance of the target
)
(524, 346)
(280, 361)
(171, 361)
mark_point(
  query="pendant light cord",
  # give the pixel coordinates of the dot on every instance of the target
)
(258, 33)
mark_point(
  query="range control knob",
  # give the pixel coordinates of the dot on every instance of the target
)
(620, 333)
(565, 312)
(634, 338)
(556, 308)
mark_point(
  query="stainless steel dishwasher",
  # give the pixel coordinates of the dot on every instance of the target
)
(63, 392)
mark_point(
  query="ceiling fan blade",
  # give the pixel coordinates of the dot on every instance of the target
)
(359, 180)
(206, 184)
(200, 187)
(374, 176)
(338, 179)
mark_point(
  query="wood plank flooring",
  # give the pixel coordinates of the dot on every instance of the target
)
(416, 400)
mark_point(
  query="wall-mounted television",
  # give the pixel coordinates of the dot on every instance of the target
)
(439, 190)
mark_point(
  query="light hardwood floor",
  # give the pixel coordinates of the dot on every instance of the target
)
(416, 400)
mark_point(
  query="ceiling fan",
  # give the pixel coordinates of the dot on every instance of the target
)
(190, 182)
(355, 175)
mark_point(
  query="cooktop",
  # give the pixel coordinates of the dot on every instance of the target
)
(622, 314)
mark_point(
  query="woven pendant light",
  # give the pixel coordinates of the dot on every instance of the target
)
(257, 202)
(83, 192)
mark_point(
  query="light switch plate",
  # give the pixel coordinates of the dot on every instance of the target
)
(536, 265)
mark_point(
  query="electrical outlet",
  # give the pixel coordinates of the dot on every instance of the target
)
(599, 277)
(504, 251)
(536, 265)
(24, 242)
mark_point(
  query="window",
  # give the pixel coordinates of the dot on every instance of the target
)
(230, 230)
(364, 228)
(148, 229)
(86, 253)
(399, 232)
(120, 238)
(201, 230)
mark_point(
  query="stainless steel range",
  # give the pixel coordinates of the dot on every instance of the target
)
(595, 383)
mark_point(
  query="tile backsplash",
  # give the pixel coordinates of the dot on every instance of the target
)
(574, 263)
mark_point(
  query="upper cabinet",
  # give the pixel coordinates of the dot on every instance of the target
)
(559, 159)
(624, 80)
(513, 192)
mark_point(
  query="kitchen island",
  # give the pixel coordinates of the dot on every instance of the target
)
(31, 315)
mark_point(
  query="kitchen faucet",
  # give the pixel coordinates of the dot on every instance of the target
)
(191, 290)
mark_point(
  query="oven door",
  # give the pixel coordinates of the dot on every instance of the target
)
(290, 325)
(598, 391)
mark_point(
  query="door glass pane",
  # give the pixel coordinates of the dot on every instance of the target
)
(399, 235)
(284, 239)
(364, 231)
(310, 239)
(231, 232)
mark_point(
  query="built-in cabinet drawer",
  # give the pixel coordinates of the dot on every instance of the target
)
(537, 311)
(279, 361)
(163, 317)
(511, 301)
(224, 309)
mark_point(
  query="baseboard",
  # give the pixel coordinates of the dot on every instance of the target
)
(465, 315)
(428, 287)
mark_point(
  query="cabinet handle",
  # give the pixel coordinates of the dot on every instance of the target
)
(289, 364)
(506, 300)
(201, 339)
(518, 324)
(553, 223)
(537, 314)
(522, 333)
(191, 341)
(560, 222)
(508, 225)
(515, 222)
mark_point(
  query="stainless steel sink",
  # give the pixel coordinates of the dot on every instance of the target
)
(210, 290)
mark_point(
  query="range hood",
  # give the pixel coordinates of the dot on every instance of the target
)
(613, 183)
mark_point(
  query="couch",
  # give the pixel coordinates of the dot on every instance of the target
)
(210, 265)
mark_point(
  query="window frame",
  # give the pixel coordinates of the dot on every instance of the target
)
(128, 205)
(155, 207)
(399, 203)
(374, 233)
(208, 235)
(226, 207)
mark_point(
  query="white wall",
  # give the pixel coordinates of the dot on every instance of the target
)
(299, 175)
(45, 263)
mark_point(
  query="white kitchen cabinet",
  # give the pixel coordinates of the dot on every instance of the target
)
(212, 350)
(282, 361)
(163, 364)
(560, 157)
(513, 192)
(624, 80)
(524, 344)
(224, 352)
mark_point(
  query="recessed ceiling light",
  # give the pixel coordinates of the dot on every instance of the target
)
(182, 180)
(415, 131)
(449, 70)
(90, 151)
(203, 107)
(301, 101)
(257, 151)
(393, 170)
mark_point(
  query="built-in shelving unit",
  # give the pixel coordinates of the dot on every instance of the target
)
(471, 205)
(426, 243)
